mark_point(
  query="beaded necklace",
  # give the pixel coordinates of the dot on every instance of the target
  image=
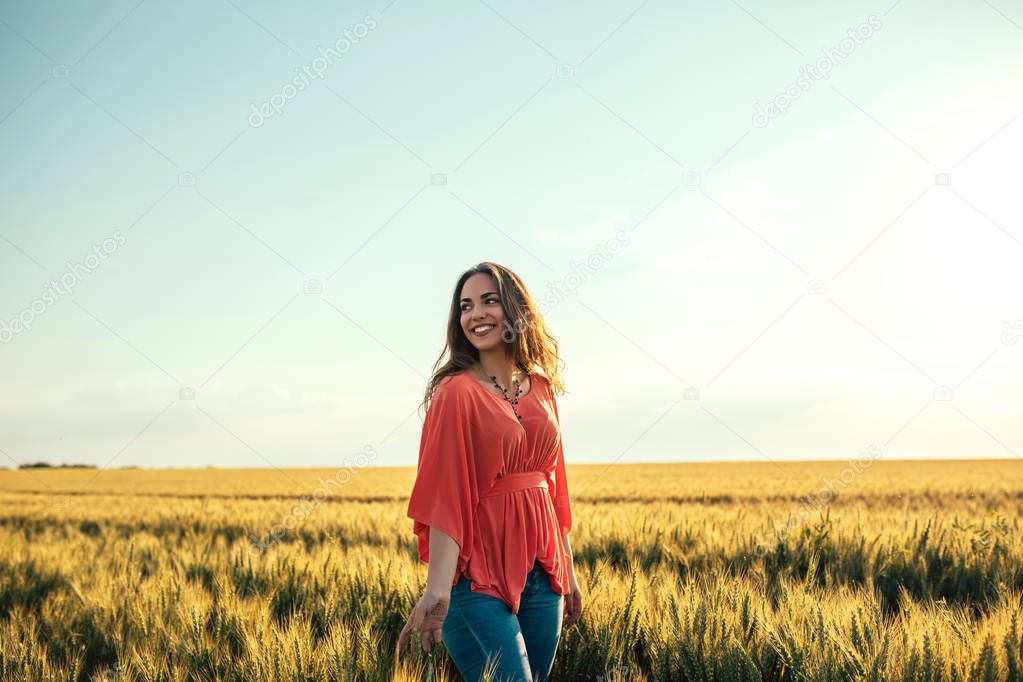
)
(513, 400)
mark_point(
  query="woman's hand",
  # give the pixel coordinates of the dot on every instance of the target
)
(426, 620)
(573, 603)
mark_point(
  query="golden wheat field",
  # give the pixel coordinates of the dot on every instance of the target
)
(742, 571)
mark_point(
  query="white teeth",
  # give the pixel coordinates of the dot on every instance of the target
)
(483, 328)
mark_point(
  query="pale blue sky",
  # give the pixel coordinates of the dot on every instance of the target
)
(557, 129)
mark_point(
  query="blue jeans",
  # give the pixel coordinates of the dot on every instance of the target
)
(480, 628)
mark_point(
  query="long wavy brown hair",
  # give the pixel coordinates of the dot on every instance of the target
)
(528, 340)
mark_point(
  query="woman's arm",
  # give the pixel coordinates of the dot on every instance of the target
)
(427, 617)
(574, 598)
(443, 562)
(571, 560)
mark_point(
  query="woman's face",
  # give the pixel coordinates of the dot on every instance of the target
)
(481, 308)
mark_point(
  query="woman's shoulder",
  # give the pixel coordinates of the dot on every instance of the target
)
(450, 398)
(542, 381)
(453, 379)
(453, 384)
(461, 383)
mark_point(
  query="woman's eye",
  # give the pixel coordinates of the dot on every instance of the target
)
(492, 299)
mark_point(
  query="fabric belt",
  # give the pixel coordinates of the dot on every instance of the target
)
(517, 481)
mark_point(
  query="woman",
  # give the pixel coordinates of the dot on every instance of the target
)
(490, 502)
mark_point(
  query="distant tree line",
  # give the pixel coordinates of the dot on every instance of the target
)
(47, 465)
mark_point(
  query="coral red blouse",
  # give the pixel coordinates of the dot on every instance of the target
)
(496, 486)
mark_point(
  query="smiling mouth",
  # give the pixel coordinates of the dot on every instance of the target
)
(482, 330)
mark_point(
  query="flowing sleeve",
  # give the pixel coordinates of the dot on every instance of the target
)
(444, 494)
(559, 494)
